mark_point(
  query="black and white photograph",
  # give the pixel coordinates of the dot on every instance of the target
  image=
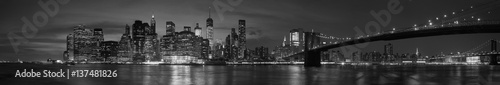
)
(249, 42)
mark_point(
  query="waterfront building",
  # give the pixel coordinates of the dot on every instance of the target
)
(109, 51)
(151, 44)
(262, 53)
(66, 56)
(296, 37)
(138, 40)
(205, 49)
(125, 52)
(96, 43)
(83, 43)
(219, 52)
(185, 51)
(167, 42)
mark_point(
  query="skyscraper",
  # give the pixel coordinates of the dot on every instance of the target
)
(167, 42)
(197, 30)
(388, 50)
(97, 39)
(262, 53)
(204, 48)
(219, 50)
(69, 48)
(125, 52)
(138, 40)
(153, 25)
(150, 50)
(127, 30)
(296, 37)
(185, 47)
(66, 56)
(109, 50)
(83, 43)
(284, 42)
(242, 38)
(170, 28)
(227, 48)
(234, 45)
(151, 47)
(210, 33)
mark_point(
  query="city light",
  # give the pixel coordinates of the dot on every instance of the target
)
(184, 48)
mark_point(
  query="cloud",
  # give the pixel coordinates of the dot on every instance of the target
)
(254, 33)
(266, 41)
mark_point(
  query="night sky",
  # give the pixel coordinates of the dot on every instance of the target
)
(268, 21)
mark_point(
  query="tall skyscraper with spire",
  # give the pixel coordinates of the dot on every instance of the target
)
(153, 25)
(210, 32)
(151, 43)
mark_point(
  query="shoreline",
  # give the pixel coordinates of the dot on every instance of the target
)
(243, 63)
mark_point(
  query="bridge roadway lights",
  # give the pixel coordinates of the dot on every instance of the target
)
(312, 58)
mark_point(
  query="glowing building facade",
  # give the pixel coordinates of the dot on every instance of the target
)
(83, 44)
(140, 43)
(167, 42)
(210, 34)
(197, 30)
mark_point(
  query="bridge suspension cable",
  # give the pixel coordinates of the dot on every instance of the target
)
(479, 47)
(474, 10)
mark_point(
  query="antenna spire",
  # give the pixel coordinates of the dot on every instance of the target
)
(209, 10)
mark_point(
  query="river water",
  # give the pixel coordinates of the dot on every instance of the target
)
(262, 75)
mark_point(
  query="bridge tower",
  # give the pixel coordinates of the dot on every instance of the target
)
(493, 57)
(312, 57)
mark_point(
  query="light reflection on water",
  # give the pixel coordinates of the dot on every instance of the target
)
(266, 75)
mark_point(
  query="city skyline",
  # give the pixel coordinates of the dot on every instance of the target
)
(260, 31)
